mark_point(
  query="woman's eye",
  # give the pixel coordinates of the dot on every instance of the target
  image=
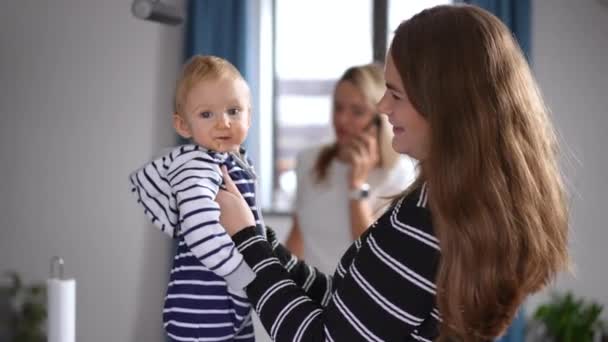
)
(234, 111)
(358, 111)
(395, 96)
(206, 115)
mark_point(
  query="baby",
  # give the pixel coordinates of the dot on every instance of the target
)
(205, 297)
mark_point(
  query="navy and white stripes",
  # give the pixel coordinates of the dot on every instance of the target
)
(383, 288)
(178, 193)
(205, 299)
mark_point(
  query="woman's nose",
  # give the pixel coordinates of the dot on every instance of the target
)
(384, 105)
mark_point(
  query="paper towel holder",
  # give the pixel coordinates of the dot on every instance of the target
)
(56, 271)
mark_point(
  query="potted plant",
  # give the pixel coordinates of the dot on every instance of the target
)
(566, 318)
(27, 310)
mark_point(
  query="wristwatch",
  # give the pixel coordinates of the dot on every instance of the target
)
(360, 193)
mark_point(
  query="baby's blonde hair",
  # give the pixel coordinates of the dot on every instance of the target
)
(200, 68)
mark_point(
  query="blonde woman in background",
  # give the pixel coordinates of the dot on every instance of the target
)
(343, 185)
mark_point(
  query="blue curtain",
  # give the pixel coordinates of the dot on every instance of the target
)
(515, 14)
(219, 28)
(516, 332)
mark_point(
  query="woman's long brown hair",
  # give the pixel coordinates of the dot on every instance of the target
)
(495, 191)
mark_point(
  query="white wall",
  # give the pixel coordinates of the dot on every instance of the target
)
(570, 57)
(85, 98)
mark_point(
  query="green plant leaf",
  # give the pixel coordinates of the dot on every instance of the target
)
(568, 318)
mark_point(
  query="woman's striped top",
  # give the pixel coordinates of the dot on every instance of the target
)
(382, 290)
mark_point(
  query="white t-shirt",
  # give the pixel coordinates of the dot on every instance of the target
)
(323, 210)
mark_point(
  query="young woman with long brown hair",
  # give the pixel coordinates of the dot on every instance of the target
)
(484, 226)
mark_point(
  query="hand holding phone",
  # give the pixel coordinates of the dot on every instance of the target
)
(362, 153)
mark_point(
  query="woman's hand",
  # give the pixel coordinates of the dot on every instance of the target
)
(363, 155)
(235, 214)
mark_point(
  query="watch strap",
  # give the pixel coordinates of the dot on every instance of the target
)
(359, 193)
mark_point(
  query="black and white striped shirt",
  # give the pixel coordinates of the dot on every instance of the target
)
(177, 192)
(382, 290)
(205, 300)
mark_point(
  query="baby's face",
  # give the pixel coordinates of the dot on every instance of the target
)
(217, 114)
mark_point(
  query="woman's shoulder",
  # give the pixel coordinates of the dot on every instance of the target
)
(416, 197)
(405, 230)
(412, 212)
(311, 152)
(307, 157)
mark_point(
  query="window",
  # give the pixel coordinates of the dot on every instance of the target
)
(314, 42)
(305, 75)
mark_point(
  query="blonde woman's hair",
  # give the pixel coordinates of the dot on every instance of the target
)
(369, 80)
(495, 191)
(200, 68)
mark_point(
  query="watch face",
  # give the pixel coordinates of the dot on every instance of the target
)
(364, 193)
(361, 193)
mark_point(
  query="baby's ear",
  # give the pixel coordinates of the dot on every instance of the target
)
(181, 126)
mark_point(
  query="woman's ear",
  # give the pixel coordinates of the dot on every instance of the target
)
(181, 126)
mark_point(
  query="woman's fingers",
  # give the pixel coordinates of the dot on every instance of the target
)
(372, 132)
(364, 155)
(360, 147)
(230, 186)
(348, 152)
(235, 213)
(370, 141)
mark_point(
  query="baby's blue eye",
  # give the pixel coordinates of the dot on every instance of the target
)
(234, 111)
(206, 115)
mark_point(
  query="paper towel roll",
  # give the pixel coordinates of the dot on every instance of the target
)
(61, 297)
